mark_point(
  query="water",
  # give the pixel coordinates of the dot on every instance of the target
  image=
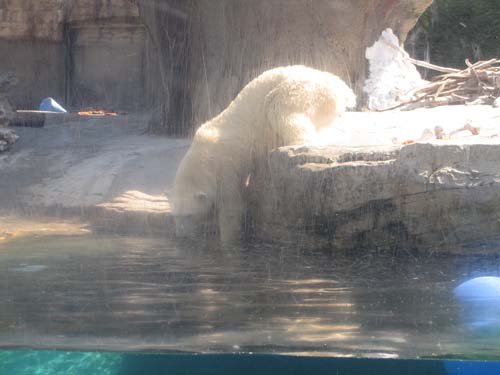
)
(135, 294)
(90, 363)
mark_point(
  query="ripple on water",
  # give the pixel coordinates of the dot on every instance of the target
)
(128, 293)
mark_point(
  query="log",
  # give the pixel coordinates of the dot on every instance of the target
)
(30, 119)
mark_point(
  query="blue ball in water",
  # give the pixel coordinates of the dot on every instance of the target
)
(480, 302)
(479, 289)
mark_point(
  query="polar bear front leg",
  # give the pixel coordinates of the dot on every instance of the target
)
(230, 210)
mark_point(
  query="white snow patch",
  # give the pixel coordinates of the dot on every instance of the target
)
(392, 76)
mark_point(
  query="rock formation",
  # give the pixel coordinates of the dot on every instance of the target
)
(375, 187)
(7, 136)
(7, 81)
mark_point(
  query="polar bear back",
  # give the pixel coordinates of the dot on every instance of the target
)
(283, 91)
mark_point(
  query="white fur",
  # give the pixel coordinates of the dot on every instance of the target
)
(283, 106)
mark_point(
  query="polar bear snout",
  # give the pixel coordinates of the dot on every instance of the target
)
(194, 226)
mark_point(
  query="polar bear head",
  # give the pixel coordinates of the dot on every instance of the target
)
(194, 193)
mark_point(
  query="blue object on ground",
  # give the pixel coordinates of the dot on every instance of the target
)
(50, 105)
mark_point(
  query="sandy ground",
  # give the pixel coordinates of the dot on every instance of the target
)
(106, 171)
(84, 163)
(12, 227)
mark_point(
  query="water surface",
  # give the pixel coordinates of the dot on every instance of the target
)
(93, 292)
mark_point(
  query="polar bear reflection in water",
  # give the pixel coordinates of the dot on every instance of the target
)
(283, 106)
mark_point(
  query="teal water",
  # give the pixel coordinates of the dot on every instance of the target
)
(78, 363)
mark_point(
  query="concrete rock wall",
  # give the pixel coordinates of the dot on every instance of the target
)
(38, 36)
(28, 19)
(44, 19)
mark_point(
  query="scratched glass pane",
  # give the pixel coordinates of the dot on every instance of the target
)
(314, 178)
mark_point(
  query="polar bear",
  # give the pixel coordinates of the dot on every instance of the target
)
(282, 106)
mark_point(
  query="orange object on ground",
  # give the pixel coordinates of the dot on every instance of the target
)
(97, 113)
